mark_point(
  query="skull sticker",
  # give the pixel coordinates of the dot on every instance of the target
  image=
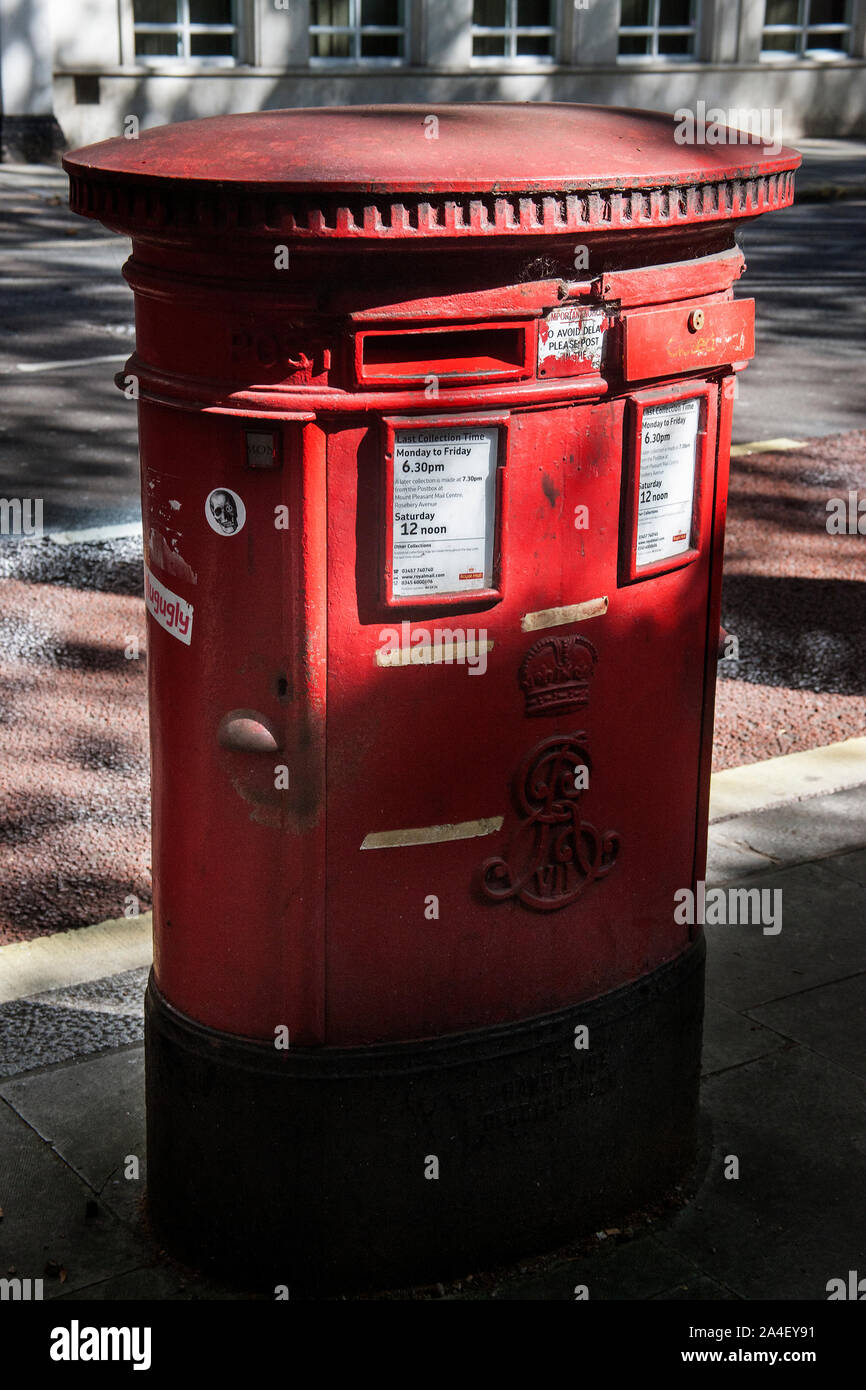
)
(225, 512)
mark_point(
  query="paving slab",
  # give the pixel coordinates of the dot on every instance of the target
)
(735, 791)
(635, 1269)
(157, 1283)
(849, 865)
(109, 1091)
(797, 1124)
(700, 1289)
(731, 860)
(731, 1038)
(784, 1085)
(831, 1020)
(150, 1283)
(800, 830)
(121, 994)
(822, 939)
(45, 1217)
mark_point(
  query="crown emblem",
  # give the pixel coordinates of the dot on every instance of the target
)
(555, 674)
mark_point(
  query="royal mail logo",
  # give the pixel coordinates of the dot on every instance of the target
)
(170, 611)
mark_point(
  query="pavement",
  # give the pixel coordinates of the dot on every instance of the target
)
(784, 1090)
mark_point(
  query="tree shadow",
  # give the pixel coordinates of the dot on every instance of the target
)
(804, 634)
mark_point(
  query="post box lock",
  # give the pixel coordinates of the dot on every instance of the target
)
(696, 320)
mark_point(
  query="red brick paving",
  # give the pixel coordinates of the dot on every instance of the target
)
(74, 813)
(796, 597)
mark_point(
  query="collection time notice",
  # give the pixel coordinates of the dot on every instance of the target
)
(443, 510)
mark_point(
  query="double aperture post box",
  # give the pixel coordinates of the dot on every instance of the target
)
(435, 413)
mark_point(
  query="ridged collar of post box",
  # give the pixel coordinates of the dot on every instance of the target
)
(413, 172)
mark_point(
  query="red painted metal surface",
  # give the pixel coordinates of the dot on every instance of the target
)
(470, 149)
(415, 172)
(698, 335)
(349, 841)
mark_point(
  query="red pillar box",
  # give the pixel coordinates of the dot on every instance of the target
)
(435, 413)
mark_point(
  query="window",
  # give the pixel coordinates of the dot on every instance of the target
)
(806, 29)
(358, 31)
(658, 28)
(513, 29)
(195, 30)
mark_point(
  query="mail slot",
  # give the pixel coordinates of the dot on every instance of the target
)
(482, 353)
(433, 528)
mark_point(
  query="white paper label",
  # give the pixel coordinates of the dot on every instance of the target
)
(443, 510)
(170, 611)
(572, 335)
(667, 480)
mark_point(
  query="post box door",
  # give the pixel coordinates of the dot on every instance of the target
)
(468, 882)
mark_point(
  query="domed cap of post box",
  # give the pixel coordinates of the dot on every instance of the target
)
(414, 172)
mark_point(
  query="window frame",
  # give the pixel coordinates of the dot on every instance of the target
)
(803, 29)
(654, 30)
(511, 33)
(356, 29)
(184, 29)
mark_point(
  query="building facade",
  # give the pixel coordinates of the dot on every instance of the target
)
(85, 67)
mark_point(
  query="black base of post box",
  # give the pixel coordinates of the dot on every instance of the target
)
(317, 1169)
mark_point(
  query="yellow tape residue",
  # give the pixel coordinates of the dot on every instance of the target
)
(558, 617)
(432, 834)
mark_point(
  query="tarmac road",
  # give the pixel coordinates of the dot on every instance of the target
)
(806, 268)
